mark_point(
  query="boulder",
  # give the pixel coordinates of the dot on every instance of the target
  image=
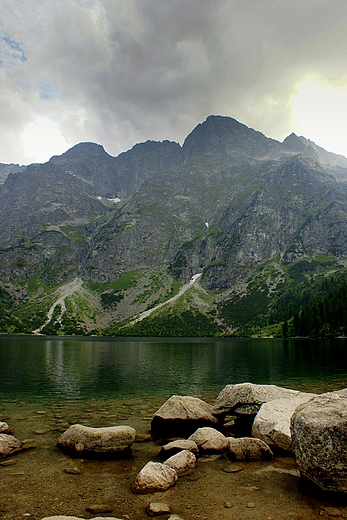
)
(319, 435)
(248, 449)
(153, 477)
(9, 445)
(180, 416)
(176, 446)
(272, 423)
(84, 441)
(183, 462)
(209, 440)
(247, 398)
(4, 428)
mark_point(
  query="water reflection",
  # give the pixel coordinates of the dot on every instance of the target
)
(74, 368)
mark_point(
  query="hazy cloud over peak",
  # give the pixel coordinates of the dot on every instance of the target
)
(118, 72)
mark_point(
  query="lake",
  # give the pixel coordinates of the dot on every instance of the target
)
(111, 381)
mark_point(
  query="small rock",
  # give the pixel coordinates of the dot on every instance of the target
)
(4, 428)
(99, 508)
(227, 505)
(209, 440)
(157, 508)
(9, 462)
(40, 432)
(153, 477)
(72, 471)
(176, 446)
(333, 511)
(175, 517)
(143, 437)
(41, 413)
(232, 469)
(9, 445)
(250, 505)
(248, 449)
(183, 462)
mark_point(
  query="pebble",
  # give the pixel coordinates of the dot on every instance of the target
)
(227, 505)
(333, 511)
(232, 469)
(250, 505)
(72, 471)
(99, 508)
(10, 462)
(143, 437)
(157, 508)
(40, 432)
(41, 413)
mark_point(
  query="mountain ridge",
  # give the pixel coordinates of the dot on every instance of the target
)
(229, 203)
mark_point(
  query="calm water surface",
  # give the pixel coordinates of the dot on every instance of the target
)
(57, 368)
(46, 384)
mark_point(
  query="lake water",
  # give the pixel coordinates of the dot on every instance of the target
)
(104, 382)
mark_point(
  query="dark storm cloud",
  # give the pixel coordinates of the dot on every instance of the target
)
(149, 69)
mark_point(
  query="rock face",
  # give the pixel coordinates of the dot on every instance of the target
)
(81, 440)
(272, 423)
(153, 477)
(176, 446)
(9, 445)
(209, 440)
(248, 449)
(181, 416)
(319, 433)
(183, 462)
(247, 398)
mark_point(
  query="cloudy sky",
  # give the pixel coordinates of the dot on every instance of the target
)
(118, 72)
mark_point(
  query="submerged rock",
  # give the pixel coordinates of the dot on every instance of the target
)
(176, 446)
(81, 440)
(63, 517)
(319, 435)
(157, 509)
(4, 428)
(181, 416)
(183, 462)
(209, 440)
(9, 445)
(272, 423)
(153, 477)
(248, 449)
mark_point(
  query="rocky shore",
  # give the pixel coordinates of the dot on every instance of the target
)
(247, 423)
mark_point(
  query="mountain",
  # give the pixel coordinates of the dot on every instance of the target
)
(250, 214)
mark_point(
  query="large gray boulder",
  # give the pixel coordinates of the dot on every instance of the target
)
(183, 462)
(319, 435)
(180, 416)
(83, 441)
(154, 477)
(272, 423)
(247, 398)
(209, 440)
(9, 445)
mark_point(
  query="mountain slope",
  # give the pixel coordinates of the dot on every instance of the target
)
(230, 204)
